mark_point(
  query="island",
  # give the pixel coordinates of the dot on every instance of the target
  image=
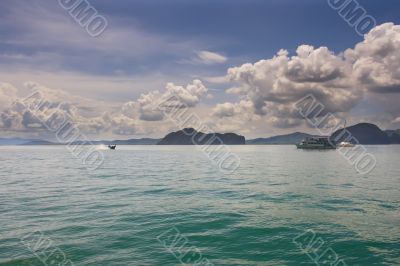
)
(289, 139)
(190, 136)
(364, 133)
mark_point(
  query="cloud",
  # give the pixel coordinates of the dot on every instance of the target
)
(267, 90)
(45, 26)
(314, 65)
(283, 80)
(376, 60)
(189, 95)
(209, 58)
(53, 107)
(338, 81)
(234, 117)
(396, 120)
(8, 94)
(42, 104)
(123, 125)
(217, 79)
(146, 105)
(205, 58)
(90, 86)
(224, 110)
(45, 109)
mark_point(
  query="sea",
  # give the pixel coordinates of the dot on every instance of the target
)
(172, 205)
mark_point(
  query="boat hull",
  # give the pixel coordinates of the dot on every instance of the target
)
(315, 147)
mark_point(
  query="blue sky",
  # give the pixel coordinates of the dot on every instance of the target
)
(241, 30)
(150, 43)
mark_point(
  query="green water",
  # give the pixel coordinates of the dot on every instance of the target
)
(128, 211)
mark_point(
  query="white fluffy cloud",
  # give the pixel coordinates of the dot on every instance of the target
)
(338, 81)
(376, 60)
(145, 107)
(8, 94)
(274, 85)
(49, 106)
(227, 109)
(285, 79)
(189, 95)
(234, 117)
(28, 114)
(267, 91)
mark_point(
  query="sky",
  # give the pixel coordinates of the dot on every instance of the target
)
(240, 66)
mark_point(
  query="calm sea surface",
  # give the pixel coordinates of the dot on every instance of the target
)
(129, 211)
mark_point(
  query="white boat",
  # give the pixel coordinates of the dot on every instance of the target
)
(346, 144)
(316, 143)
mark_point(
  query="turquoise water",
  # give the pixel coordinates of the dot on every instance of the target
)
(122, 213)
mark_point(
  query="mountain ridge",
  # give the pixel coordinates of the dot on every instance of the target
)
(365, 133)
(286, 139)
(362, 133)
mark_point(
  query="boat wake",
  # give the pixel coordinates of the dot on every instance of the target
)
(101, 147)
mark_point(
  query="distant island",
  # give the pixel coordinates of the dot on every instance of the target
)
(31, 142)
(189, 136)
(364, 133)
(289, 139)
